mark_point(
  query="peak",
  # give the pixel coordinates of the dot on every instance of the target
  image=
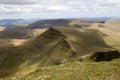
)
(53, 32)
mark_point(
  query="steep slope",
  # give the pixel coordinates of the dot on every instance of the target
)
(105, 56)
(112, 31)
(85, 41)
(75, 71)
(50, 48)
(55, 46)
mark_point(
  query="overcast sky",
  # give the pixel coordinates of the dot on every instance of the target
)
(59, 8)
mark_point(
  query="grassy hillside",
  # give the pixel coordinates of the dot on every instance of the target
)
(19, 32)
(4, 42)
(85, 41)
(55, 46)
(14, 33)
(75, 71)
(113, 25)
(112, 32)
(47, 49)
(17, 35)
(61, 45)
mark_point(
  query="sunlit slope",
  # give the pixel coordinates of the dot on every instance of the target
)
(113, 25)
(55, 46)
(85, 41)
(76, 71)
(47, 49)
(112, 31)
(18, 35)
(2, 28)
(19, 32)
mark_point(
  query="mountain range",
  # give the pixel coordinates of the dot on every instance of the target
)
(12, 22)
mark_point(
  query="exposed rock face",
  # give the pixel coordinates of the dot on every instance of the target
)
(105, 56)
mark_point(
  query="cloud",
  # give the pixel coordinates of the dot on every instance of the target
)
(28, 2)
(18, 1)
(14, 9)
(30, 8)
(98, 6)
(57, 8)
(109, 6)
(109, 3)
(71, 6)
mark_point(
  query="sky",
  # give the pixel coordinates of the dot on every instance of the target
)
(47, 9)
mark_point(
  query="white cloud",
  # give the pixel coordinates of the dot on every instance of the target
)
(30, 8)
(57, 8)
(98, 6)
(19, 2)
(38, 6)
(14, 9)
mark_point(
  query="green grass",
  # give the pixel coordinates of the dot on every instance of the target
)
(53, 47)
(76, 71)
(47, 49)
(85, 41)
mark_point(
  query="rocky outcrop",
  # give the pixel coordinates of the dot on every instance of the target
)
(105, 56)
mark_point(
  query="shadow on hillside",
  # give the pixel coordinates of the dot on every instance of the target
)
(10, 59)
(8, 72)
(93, 40)
(50, 48)
(86, 41)
(14, 33)
(46, 49)
(105, 56)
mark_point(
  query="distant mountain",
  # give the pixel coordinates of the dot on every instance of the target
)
(49, 23)
(11, 22)
(40, 23)
(99, 18)
(60, 22)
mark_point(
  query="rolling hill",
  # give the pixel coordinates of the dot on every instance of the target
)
(62, 47)
(61, 23)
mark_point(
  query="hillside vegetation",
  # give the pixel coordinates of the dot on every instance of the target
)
(43, 52)
(75, 71)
